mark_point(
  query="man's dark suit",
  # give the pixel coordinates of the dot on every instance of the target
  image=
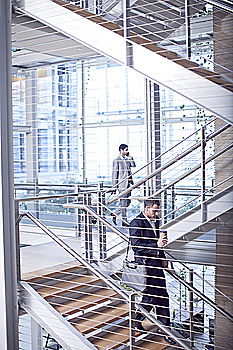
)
(143, 240)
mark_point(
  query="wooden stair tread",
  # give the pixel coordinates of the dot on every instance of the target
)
(85, 302)
(98, 320)
(154, 343)
(112, 340)
(214, 77)
(54, 273)
(68, 285)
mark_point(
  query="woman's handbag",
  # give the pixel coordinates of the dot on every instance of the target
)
(134, 275)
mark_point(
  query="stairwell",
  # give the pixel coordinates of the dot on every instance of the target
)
(208, 89)
(92, 314)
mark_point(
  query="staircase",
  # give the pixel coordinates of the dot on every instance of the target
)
(80, 311)
(208, 89)
(190, 225)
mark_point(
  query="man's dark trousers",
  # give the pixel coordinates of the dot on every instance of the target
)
(156, 295)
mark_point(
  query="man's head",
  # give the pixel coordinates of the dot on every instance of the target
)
(151, 208)
(123, 148)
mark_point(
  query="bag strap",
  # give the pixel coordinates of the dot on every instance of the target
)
(127, 251)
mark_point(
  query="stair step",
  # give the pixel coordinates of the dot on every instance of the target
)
(55, 274)
(84, 302)
(100, 318)
(94, 18)
(112, 338)
(61, 287)
(154, 343)
(214, 77)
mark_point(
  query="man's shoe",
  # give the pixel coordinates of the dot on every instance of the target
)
(169, 340)
(139, 327)
(125, 223)
(114, 218)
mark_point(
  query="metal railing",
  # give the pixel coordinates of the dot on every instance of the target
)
(89, 249)
(155, 23)
(200, 144)
(192, 290)
(129, 297)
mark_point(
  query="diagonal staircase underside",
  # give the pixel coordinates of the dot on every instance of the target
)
(80, 311)
(183, 76)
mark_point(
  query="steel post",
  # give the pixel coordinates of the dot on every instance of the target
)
(126, 21)
(173, 201)
(101, 226)
(188, 29)
(83, 124)
(78, 215)
(164, 214)
(9, 338)
(132, 315)
(17, 239)
(36, 192)
(191, 325)
(203, 175)
(36, 336)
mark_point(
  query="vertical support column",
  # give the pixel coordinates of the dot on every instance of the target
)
(203, 176)
(78, 215)
(126, 20)
(148, 130)
(157, 136)
(173, 201)
(164, 204)
(132, 315)
(36, 335)
(83, 124)
(88, 229)
(188, 29)
(17, 238)
(153, 134)
(37, 205)
(31, 137)
(101, 226)
(191, 334)
(8, 269)
(99, 6)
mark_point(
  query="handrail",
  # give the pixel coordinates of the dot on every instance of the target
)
(201, 295)
(78, 257)
(225, 149)
(70, 250)
(221, 4)
(173, 273)
(29, 199)
(196, 197)
(171, 162)
(195, 273)
(162, 154)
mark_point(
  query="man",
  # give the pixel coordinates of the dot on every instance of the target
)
(147, 245)
(122, 179)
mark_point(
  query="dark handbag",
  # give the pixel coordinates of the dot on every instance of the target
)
(134, 275)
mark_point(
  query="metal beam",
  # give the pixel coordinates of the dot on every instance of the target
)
(8, 275)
